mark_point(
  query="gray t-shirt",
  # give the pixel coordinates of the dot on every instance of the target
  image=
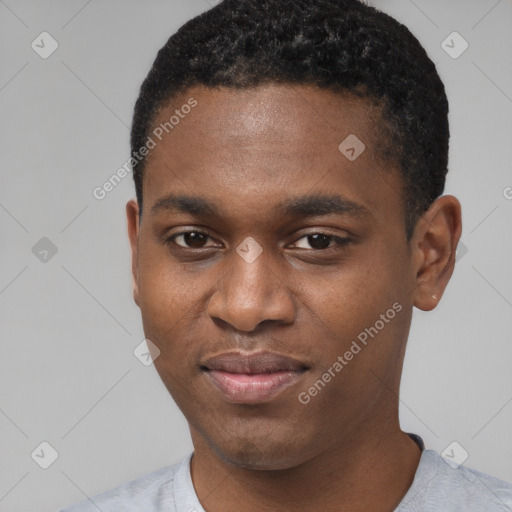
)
(437, 487)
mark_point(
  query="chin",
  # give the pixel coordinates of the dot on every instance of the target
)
(248, 455)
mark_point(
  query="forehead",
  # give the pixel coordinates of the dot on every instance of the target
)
(266, 142)
(270, 113)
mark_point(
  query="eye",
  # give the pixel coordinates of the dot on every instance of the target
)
(320, 241)
(190, 239)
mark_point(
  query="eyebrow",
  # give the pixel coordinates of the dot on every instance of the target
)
(301, 206)
(185, 204)
(318, 205)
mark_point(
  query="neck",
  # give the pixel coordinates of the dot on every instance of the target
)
(371, 471)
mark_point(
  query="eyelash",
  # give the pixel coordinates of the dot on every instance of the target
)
(340, 242)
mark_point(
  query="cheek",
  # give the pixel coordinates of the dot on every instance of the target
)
(362, 302)
(165, 290)
(165, 302)
(346, 298)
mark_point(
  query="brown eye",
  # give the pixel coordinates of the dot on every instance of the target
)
(319, 241)
(190, 239)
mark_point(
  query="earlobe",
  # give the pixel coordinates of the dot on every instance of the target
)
(435, 242)
(132, 218)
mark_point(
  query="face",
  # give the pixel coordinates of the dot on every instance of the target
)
(272, 271)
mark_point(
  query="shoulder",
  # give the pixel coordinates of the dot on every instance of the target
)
(440, 486)
(153, 492)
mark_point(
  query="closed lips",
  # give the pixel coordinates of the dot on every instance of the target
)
(252, 378)
(253, 363)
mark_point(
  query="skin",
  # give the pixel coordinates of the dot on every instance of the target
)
(246, 151)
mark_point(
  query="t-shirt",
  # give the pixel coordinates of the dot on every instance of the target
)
(437, 487)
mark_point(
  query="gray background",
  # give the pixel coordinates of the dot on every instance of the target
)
(69, 326)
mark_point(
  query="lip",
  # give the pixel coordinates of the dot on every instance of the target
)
(250, 378)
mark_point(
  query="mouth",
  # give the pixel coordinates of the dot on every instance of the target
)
(251, 378)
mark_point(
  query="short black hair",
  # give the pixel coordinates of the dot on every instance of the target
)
(339, 45)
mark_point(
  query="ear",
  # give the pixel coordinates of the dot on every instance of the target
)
(132, 217)
(434, 243)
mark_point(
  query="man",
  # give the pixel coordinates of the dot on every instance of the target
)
(289, 158)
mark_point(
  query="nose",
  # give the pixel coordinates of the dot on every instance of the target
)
(251, 293)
